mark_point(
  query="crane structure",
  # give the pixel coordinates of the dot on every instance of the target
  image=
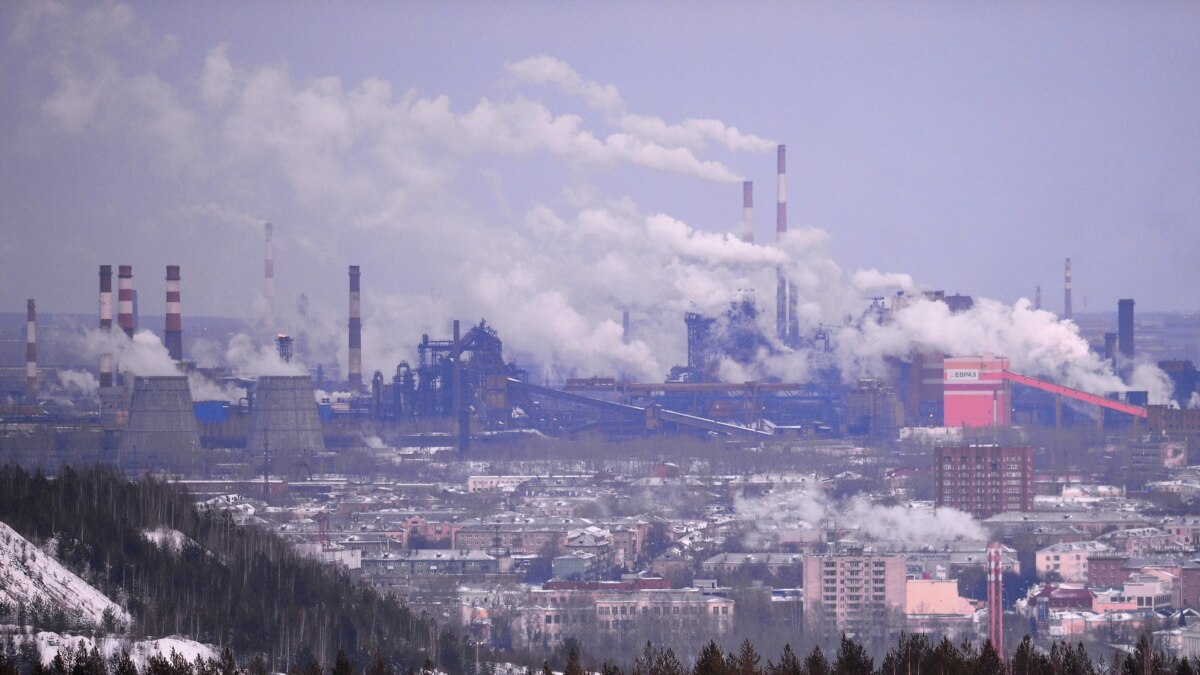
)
(1058, 389)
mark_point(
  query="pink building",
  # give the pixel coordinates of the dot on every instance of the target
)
(976, 393)
(853, 592)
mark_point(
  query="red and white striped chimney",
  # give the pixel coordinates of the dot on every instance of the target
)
(125, 298)
(355, 333)
(270, 266)
(30, 350)
(106, 313)
(781, 285)
(748, 211)
(173, 335)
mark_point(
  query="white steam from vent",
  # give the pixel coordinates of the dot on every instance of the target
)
(808, 507)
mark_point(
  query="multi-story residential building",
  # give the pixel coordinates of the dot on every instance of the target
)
(984, 480)
(853, 592)
(1068, 560)
(385, 569)
(1107, 570)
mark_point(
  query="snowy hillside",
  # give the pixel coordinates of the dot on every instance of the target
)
(49, 644)
(168, 539)
(27, 574)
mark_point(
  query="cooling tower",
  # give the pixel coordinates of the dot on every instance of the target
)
(162, 421)
(285, 417)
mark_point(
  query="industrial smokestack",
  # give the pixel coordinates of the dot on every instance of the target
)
(125, 299)
(1125, 327)
(625, 334)
(1037, 298)
(995, 584)
(270, 267)
(748, 212)
(30, 350)
(173, 335)
(355, 333)
(1067, 292)
(106, 307)
(781, 285)
(1110, 349)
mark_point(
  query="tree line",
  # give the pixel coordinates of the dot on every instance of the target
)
(232, 586)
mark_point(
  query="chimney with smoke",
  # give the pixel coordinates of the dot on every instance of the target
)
(106, 307)
(30, 350)
(173, 335)
(781, 284)
(355, 333)
(995, 584)
(748, 212)
(125, 299)
(269, 289)
(1067, 292)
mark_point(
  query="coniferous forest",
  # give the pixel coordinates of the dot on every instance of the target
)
(235, 587)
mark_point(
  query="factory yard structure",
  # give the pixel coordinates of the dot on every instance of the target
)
(949, 493)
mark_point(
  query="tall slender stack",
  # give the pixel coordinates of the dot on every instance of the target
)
(1125, 327)
(1067, 292)
(270, 266)
(781, 285)
(748, 212)
(106, 308)
(355, 333)
(173, 335)
(30, 350)
(125, 299)
(1037, 298)
(995, 583)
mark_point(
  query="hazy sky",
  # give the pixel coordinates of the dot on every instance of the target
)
(495, 158)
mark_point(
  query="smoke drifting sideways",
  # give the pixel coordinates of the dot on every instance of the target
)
(145, 355)
(806, 506)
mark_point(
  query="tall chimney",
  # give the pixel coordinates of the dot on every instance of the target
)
(173, 335)
(748, 212)
(1067, 292)
(995, 584)
(106, 308)
(625, 327)
(355, 333)
(125, 299)
(30, 350)
(1110, 349)
(781, 285)
(1125, 327)
(1037, 298)
(270, 267)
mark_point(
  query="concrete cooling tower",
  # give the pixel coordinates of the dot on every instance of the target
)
(162, 422)
(284, 417)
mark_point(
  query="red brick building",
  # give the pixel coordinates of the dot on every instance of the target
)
(1107, 571)
(984, 480)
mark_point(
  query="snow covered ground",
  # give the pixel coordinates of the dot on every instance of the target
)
(168, 538)
(49, 645)
(27, 573)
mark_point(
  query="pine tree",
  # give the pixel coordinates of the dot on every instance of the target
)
(574, 667)
(816, 663)
(341, 664)
(746, 661)
(711, 661)
(988, 662)
(789, 663)
(852, 659)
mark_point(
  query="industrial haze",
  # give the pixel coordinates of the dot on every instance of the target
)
(695, 307)
(542, 184)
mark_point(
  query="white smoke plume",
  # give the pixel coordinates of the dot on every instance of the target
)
(79, 382)
(1194, 401)
(249, 359)
(810, 506)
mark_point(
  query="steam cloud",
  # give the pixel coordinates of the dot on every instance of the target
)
(555, 276)
(809, 506)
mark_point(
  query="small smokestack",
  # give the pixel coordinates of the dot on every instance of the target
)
(355, 332)
(173, 335)
(1067, 292)
(1125, 327)
(781, 286)
(1037, 298)
(270, 267)
(30, 350)
(625, 332)
(125, 299)
(106, 311)
(1110, 348)
(748, 212)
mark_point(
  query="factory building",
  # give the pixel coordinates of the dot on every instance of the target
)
(976, 392)
(984, 480)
